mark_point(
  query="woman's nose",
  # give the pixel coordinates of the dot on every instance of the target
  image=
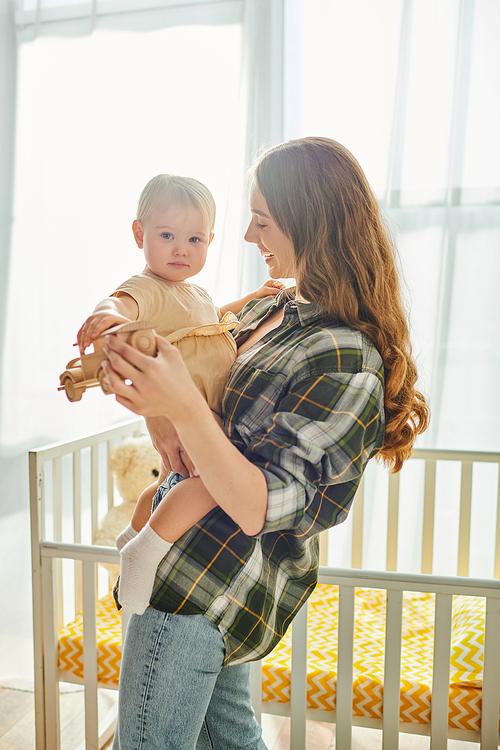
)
(250, 234)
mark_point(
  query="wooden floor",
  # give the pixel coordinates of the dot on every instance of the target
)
(17, 718)
(17, 727)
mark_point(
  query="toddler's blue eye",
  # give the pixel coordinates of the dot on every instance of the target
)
(167, 235)
(194, 239)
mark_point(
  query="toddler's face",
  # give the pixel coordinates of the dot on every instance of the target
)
(175, 240)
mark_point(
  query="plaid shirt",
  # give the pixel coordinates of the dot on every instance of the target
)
(305, 405)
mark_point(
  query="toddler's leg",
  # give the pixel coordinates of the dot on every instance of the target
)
(180, 509)
(139, 561)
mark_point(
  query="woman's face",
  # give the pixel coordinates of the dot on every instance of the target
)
(275, 247)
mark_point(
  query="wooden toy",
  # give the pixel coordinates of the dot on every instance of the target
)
(86, 371)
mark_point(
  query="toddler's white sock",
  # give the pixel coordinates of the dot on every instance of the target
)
(139, 560)
(126, 536)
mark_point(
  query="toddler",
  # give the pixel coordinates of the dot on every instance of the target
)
(174, 228)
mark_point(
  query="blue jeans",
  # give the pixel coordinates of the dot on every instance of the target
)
(172, 479)
(175, 693)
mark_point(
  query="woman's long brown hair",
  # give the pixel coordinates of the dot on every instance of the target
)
(320, 198)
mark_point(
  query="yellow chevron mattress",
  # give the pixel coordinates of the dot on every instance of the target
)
(369, 645)
(109, 644)
(369, 641)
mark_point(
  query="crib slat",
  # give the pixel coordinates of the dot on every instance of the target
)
(42, 508)
(298, 702)
(94, 486)
(428, 522)
(77, 524)
(357, 526)
(323, 548)
(465, 515)
(344, 668)
(57, 499)
(491, 678)
(125, 617)
(392, 523)
(109, 475)
(255, 682)
(37, 514)
(497, 538)
(57, 530)
(77, 497)
(392, 669)
(50, 645)
(441, 672)
(90, 655)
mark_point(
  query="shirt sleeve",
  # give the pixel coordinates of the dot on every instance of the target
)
(144, 293)
(322, 433)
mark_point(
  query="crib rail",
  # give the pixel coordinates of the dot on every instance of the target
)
(394, 584)
(469, 463)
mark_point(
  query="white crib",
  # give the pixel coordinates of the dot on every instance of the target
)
(71, 489)
(68, 483)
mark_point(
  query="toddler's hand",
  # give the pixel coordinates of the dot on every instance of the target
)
(269, 288)
(96, 324)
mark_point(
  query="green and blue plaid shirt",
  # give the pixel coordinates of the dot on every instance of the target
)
(305, 405)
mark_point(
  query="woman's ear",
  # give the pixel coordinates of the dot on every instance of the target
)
(138, 233)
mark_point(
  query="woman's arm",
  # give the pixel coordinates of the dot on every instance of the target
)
(162, 386)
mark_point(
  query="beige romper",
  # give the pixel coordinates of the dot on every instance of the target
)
(186, 316)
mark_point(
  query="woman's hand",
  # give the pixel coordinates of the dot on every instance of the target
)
(158, 386)
(166, 441)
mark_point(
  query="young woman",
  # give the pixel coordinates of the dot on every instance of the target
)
(324, 380)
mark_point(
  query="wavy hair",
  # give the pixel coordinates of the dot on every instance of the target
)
(346, 263)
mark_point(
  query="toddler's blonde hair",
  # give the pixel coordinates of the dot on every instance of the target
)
(170, 189)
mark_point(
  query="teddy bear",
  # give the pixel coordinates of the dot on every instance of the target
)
(135, 465)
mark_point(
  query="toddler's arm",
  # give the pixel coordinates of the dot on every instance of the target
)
(181, 508)
(110, 311)
(269, 288)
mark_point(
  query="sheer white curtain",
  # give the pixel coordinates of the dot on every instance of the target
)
(111, 92)
(412, 89)
(108, 94)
